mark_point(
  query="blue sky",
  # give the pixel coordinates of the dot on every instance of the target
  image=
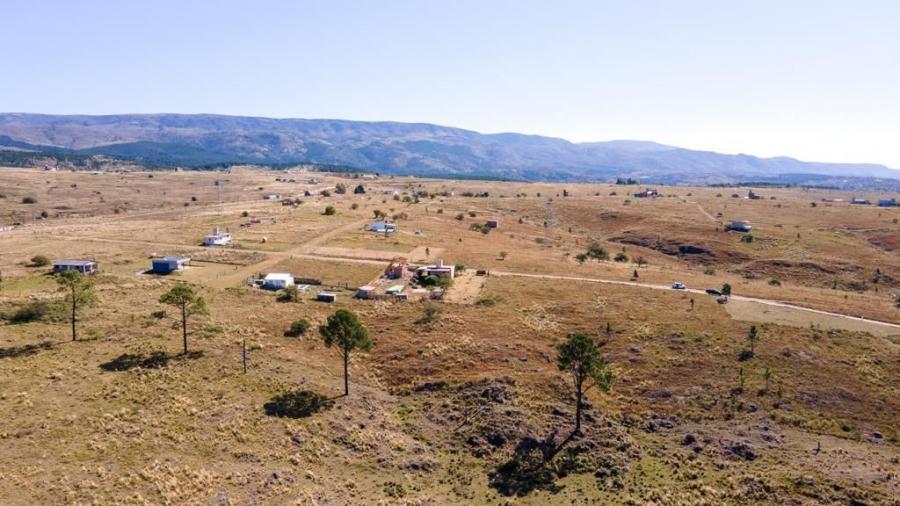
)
(818, 80)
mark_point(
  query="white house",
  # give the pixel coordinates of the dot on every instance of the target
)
(382, 227)
(217, 238)
(278, 280)
(439, 269)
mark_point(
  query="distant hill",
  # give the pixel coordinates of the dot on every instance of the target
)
(199, 140)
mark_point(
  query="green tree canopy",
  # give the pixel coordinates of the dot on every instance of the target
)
(79, 292)
(580, 357)
(344, 331)
(189, 302)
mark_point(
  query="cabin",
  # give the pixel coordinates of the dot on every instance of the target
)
(278, 281)
(217, 238)
(439, 269)
(739, 226)
(382, 227)
(168, 265)
(82, 266)
(492, 223)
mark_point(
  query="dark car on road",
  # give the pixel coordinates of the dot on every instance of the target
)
(713, 291)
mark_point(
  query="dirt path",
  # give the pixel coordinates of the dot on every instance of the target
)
(879, 327)
(706, 213)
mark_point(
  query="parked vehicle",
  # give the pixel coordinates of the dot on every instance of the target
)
(713, 291)
(722, 300)
(678, 285)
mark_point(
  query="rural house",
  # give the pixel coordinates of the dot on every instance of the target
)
(438, 269)
(648, 192)
(217, 238)
(82, 266)
(278, 281)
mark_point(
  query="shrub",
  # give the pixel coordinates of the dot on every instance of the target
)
(472, 214)
(40, 261)
(621, 257)
(29, 200)
(430, 313)
(747, 238)
(158, 315)
(431, 280)
(709, 271)
(325, 193)
(36, 311)
(354, 206)
(340, 188)
(459, 268)
(330, 211)
(480, 227)
(774, 282)
(244, 214)
(581, 257)
(299, 404)
(726, 289)
(488, 299)
(289, 294)
(597, 251)
(460, 216)
(297, 328)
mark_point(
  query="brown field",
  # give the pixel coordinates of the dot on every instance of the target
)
(437, 406)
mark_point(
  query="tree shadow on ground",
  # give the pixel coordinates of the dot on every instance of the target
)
(154, 360)
(297, 404)
(21, 351)
(530, 468)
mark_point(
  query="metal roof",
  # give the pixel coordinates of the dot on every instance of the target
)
(74, 262)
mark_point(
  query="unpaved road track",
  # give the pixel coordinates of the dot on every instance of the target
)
(767, 302)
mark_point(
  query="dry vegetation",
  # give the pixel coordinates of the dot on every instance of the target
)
(448, 397)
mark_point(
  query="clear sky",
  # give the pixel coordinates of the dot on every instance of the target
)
(818, 80)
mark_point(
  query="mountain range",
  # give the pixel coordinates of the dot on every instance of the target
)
(202, 140)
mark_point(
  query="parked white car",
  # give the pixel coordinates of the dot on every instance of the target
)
(678, 285)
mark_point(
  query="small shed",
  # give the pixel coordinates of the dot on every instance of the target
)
(167, 265)
(493, 223)
(326, 297)
(278, 280)
(82, 266)
(382, 227)
(365, 292)
(887, 202)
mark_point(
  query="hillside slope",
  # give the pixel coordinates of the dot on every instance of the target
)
(416, 148)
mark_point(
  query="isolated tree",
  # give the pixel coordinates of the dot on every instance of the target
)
(640, 261)
(767, 377)
(330, 211)
(726, 289)
(378, 213)
(580, 357)
(189, 302)
(340, 188)
(752, 339)
(344, 331)
(79, 292)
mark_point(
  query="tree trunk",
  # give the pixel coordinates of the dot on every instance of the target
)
(184, 326)
(74, 306)
(578, 396)
(346, 373)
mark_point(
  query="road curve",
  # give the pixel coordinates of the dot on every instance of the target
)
(767, 302)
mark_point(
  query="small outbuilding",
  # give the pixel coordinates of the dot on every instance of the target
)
(326, 297)
(278, 281)
(82, 266)
(493, 223)
(383, 227)
(168, 265)
(887, 202)
(365, 292)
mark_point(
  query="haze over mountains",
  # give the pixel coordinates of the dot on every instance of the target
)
(198, 140)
